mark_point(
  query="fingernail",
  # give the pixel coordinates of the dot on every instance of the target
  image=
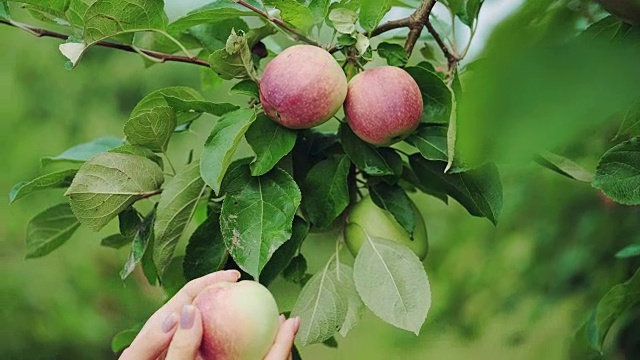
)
(235, 272)
(188, 317)
(169, 322)
(281, 318)
(297, 324)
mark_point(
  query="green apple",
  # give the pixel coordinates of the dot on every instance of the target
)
(239, 321)
(366, 218)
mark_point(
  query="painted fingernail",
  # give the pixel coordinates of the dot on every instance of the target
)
(188, 317)
(169, 322)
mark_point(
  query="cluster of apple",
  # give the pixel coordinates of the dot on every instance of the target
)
(304, 87)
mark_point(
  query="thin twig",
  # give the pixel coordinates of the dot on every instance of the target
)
(452, 60)
(281, 24)
(128, 48)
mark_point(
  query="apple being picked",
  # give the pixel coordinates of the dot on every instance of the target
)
(302, 87)
(366, 219)
(383, 105)
(239, 321)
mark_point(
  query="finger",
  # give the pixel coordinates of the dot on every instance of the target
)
(281, 348)
(149, 336)
(186, 340)
(152, 341)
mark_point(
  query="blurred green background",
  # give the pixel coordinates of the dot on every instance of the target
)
(518, 291)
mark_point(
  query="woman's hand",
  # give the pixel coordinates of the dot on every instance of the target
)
(174, 332)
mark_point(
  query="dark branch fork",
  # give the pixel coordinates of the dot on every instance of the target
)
(415, 22)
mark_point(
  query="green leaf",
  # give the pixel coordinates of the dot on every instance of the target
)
(294, 13)
(355, 306)
(257, 216)
(107, 18)
(228, 66)
(564, 166)
(199, 106)
(206, 16)
(436, 96)
(618, 173)
(4, 10)
(129, 222)
(629, 251)
(49, 230)
(478, 190)
(466, 10)
(222, 144)
(109, 183)
(158, 99)
(175, 209)
(296, 269)
(372, 160)
(173, 279)
(631, 122)
(205, 252)
(319, 9)
(321, 307)
(148, 266)
(394, 199)
(344, 21)
(372, 12)
(140, 245)
(139, 151)
(393, 53)
(326, 191)
(116, 241)
(53, 5)
(431, 141)
(612, 305)
(392, 283)
(124, 338)
(236, 60)
(270, 141)
(246, 87)
(152, 128)
(283, 257)
(83, 152)
(55, 180)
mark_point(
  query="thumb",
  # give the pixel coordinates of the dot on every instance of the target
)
(186, 340)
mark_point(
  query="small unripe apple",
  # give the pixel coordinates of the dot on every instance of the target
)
(302, 87)
(627, 10)
(239, 321)
(366, 219)
(383, 105)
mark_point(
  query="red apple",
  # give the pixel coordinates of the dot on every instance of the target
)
(302, 87)
(383, 105)
(239, 320)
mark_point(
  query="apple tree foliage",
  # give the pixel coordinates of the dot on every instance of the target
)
(254, 213)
